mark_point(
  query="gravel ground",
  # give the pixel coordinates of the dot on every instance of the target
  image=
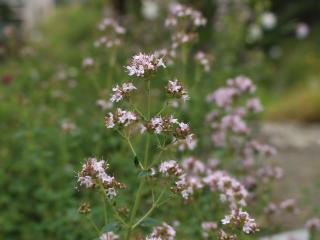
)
(299, 155)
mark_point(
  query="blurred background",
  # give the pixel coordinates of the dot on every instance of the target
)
(48, 125)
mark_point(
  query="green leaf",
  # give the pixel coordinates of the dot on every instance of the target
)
(150, 222)
(114, 227)
(144, 173)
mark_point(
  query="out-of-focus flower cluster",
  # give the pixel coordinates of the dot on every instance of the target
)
(235, 104)
(241, 220)
(313, 224)
(109, 236)
(110, 33)
(228, 120)
(204, 59)
(162, 232)
(182, 21)
(180, 12)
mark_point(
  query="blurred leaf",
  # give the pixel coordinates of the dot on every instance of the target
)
(150, 222)
(112, 227)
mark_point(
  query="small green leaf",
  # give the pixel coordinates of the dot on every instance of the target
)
(150, 222)
(112, 227)
(144, 173)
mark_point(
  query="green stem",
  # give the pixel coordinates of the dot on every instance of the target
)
(115, 212)
(154, 205)
(149, 98)
(93, 224)
(135, 207)
(131, 147)
(144, 217)
(138, 111)
(146, 152)
(142, 181)
(163, 107)
(104, 204)
(185, 52)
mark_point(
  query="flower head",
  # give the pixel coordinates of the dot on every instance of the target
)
(180, 12)
(204, 59)
(241, 220)
(120, 118)
(170, 167)
(122, 91)
(142, 65)
(109, 236)
(162, 232)
(93, 173)
(175, 89)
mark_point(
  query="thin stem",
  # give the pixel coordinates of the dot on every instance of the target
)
(135, 207)
(104, 204)
(138, 111)
(198, 75)
(131, 147)
(117, 216)
(146, 152)
(163, 107)
(93, 224)
(129, 142)
(115, 212)
(149, 98)
(144, 217)
(142, 181)
(185, 52)
(154, 205)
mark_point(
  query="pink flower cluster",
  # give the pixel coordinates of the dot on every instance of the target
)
(189, 143)
(184, 13)
(172, 169)
(175, 89)
(180, 38)
(230, 189)
(313, 224)
(88, 62)
(170, 126)
(222, 235)
(229, 120)
(204, 59)
(142, 65)
(288, 205)
(109, 236)
(159, 124)
(93, 173)
(108, 42)
(241, 220)
(120, 118)
(111, 23)
(162, 232)
(208, 227)
(122, 91)
(197, 175)
(111, 30)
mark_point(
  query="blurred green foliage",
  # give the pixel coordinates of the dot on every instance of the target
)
(39, 161)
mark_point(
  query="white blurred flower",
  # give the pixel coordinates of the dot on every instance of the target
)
(302, 30)
(254, 33)
(150, 9)
(268, 20)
